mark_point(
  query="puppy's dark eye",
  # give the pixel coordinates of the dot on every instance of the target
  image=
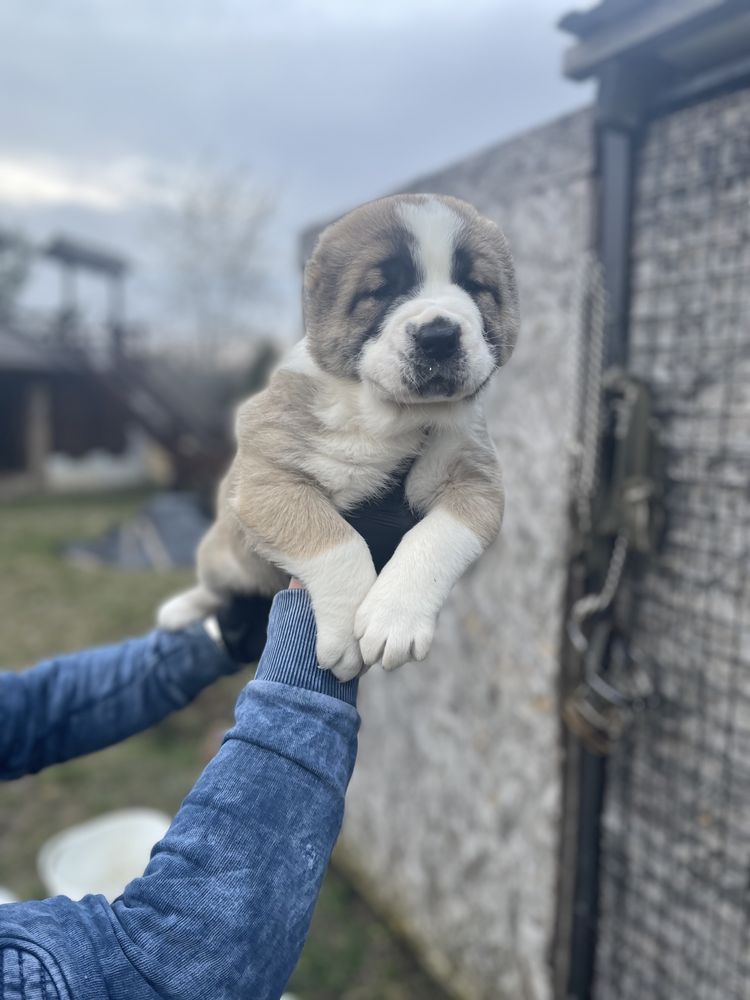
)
(474, 287)
(463, 271)
(393, 277)
(368, 295)
(396, 280)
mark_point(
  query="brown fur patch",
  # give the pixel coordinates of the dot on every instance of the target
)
(281, 507)
(287, 514)
(278, 424)
(470, 487)
(342, 264)
(474, 494)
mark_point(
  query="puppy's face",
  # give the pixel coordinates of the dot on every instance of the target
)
(414, 294)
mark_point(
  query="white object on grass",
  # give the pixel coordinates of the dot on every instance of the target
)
(101, 855)
(6, 896)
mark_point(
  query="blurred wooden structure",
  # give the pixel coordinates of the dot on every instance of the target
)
(72, 389)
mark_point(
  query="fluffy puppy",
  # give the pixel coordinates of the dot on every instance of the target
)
(410, 306)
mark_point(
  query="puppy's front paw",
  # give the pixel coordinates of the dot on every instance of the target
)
(338, 581)
(392, 627)
(338, 651)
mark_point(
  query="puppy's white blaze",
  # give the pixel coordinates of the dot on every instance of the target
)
(459, 308)
(434, 227)
(387, 360)
(397, 619)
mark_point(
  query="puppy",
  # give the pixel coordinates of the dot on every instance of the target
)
(410, 306)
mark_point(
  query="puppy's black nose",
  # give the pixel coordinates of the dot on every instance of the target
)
(438, 339)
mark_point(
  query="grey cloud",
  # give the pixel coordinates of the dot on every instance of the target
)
(332, 102)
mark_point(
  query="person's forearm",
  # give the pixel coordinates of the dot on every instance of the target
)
(75, 704)
(239, 871)
(224, 906)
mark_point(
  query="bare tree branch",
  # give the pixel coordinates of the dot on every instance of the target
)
(212, 242)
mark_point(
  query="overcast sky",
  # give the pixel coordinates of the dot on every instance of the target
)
(103, 106)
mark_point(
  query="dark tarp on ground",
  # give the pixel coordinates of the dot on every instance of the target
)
(164, 534)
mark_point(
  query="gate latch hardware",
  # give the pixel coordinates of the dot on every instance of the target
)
(630, 502)
(599, 713)
(624, 518)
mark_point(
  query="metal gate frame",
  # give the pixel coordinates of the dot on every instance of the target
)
(635, 86)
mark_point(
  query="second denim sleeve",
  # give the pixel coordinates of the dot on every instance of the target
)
(225, 903)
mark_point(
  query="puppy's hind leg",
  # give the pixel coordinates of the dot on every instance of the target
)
(226, 566)
(190, 606)
(205, 598)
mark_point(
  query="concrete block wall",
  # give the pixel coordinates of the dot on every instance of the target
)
(452, 817)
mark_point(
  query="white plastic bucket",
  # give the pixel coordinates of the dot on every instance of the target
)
(101, 855)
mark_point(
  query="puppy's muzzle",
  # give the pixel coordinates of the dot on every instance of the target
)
(437, 340)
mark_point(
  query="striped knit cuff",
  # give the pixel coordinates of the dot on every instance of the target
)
(289, 656)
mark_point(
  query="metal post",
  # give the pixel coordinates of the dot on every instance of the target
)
(38, 431)
(617, 135)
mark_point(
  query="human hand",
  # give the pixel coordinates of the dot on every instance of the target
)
(242, 625)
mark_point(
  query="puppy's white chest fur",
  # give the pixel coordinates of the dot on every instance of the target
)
(360, 441)
(361, 444)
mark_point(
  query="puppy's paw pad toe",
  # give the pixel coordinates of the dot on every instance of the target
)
(371, 646)
(347, 670)
(395, 640)
(339, 655)
(421, 643)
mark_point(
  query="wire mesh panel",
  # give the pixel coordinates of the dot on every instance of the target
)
(675, 865)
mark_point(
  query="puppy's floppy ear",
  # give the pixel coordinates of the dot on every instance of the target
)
(314, 279)
(312, 271)
(310, 280)
(322, 281)
(509, 309)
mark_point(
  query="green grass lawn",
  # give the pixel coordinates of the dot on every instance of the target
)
(49, 606)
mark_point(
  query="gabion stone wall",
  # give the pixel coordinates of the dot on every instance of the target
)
(452, 815)
(675, 904)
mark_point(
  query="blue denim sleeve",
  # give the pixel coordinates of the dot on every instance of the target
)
(224, 905)
(75, 704)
